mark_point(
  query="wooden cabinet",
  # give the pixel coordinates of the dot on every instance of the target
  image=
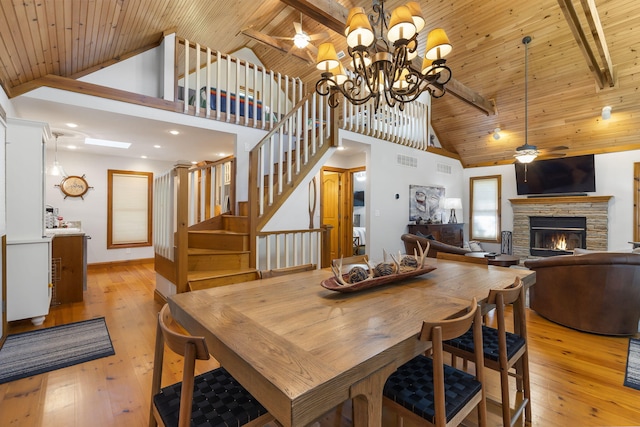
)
(69, 268)
(451, 234)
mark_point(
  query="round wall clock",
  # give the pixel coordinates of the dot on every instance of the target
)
(74, 186)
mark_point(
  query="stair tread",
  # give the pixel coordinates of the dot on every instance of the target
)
(200, 275)
(199, 251)
(233, 233)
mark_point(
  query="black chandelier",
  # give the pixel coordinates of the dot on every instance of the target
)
(383, 66)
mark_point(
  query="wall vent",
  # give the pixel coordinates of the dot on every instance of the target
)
(409, 161)
(443, 168)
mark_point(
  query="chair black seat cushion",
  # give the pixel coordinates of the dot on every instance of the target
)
(218, 400)
(412, 387)
(489, 343)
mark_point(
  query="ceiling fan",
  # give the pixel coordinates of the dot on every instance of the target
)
(302, 40)
(526, 153)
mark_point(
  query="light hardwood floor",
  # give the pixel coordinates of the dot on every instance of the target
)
(576, 377)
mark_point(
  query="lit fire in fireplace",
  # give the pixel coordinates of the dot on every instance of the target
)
(559, 242)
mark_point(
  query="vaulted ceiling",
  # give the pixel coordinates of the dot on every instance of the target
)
(574, 44)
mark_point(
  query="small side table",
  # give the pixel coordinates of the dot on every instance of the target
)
(501, 260)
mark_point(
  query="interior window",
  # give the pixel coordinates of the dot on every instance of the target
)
(485, 208)
(129, 209)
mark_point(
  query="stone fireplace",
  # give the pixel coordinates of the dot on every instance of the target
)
(594, 210)
(556, 235)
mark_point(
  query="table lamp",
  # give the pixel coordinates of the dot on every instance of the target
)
(453, 204)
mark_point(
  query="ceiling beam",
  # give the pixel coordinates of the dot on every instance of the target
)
(334, 16)
(574, 24)
(593, 18)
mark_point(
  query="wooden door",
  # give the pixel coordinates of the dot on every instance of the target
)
(330, 208)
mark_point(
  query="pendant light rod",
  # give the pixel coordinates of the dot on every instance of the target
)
(55, 155)
(526, 40)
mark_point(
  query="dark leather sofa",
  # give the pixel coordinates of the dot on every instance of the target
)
(411, 244)
(595, 292)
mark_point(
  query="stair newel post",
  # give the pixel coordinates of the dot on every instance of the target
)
(182, 224)
(254, 195)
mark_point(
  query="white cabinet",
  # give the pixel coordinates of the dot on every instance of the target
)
(28, 278)
(28, 249)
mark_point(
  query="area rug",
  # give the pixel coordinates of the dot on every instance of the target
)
(44, 350)
(632, 377)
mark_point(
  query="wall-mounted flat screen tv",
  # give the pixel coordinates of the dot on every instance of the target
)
(358, 198)
(557, 176)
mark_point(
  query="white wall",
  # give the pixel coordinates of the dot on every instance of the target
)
(92, 210)
(614, 177)
(139, 74)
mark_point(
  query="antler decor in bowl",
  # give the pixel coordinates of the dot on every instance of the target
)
(359, 278)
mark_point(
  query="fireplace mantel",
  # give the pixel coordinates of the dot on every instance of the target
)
(559, 200)
(594, 208)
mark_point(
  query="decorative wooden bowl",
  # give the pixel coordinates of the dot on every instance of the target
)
(333, 285)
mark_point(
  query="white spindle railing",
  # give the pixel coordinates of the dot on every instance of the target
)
(288, 248)
(234, 90)
(163, 215)
(287, 148)
(211, 190)
(407, 127)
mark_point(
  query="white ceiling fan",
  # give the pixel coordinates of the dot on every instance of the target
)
(302, 39)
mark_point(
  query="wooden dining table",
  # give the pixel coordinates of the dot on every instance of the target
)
(302, 350)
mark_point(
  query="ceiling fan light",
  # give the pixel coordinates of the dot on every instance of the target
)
(438, 45)
(496, 134)
(327, 57)
(526, 157)
(416, 14)
(606, 112)
(360, 32)
(301, 40)
(401, 26)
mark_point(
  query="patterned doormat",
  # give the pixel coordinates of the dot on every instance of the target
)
(35, 352)
(632, 377)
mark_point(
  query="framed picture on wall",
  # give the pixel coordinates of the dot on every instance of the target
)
(426, 203)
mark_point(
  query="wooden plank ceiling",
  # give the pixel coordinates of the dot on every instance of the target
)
(569, 57)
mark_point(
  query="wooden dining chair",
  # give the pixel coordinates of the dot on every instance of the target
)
(214, 398)
(265, 274)
(462, 258)
(503, 350)
(428, 392)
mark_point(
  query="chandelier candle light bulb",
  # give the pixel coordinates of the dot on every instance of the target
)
(382, 63)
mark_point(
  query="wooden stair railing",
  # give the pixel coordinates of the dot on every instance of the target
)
(284, 157)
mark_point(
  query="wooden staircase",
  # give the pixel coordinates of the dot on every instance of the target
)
(218, 252)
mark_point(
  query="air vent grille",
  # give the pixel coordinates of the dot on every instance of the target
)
(443, 168)
(408, 161)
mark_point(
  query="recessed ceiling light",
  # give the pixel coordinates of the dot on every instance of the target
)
(143, 157)
(156, 146)
(222, 154)
(194, 163)
(107, 143)
(174, 132)
(72, 125)
(341, 147)
(71, 147)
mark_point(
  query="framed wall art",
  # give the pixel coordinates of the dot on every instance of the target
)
(426, 204)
